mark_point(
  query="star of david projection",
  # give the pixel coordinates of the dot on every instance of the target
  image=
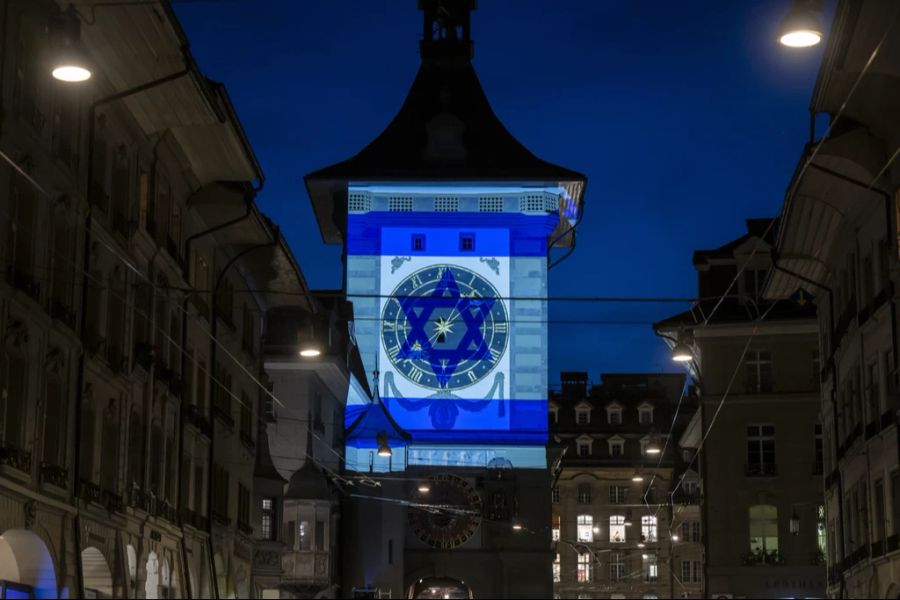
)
(471, 346)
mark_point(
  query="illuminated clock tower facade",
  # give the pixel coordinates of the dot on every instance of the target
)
(447, 222)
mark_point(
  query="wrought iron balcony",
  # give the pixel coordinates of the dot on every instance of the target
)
(55, 475)
(15, 457)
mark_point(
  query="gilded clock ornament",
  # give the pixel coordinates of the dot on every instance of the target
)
(445, 327)
(449, 527)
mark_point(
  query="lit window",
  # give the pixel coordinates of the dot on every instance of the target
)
(304, 536)
(556, 570)
(268, 519)
(650, 568)
(821, 538)
(585, 528)
(584, 568)
(466, 242)
(617, 529)
(764, 532)
(418, 242)
(555, 530)
(761, 450)
(648, 528)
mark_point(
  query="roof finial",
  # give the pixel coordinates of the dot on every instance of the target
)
(446, 31)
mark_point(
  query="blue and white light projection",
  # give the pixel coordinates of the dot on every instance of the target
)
(448, 285)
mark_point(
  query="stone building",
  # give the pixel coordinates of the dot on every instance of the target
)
(129, 438)
(756, 365)
(626, 513)
(839, 242)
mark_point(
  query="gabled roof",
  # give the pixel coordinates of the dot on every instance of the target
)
(373, 420)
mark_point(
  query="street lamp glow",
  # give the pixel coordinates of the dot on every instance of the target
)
(675, 537)
(71, 73)
(800, 27)
(384, 449)
(803, 38)
(637, 478)
(424, 488)
(517, 526)
(310, 352)
(653, 449)
(682, 353)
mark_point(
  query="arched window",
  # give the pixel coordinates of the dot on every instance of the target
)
(764, 531)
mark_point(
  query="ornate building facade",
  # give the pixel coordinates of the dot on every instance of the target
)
(626, 509)
(132, 377)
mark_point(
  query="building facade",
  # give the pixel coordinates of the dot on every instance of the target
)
(758, 432)
(447, 221)
(131, 365)
(626, 519)
(839, 242)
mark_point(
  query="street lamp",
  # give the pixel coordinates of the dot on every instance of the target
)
(424, 488)
(682, 351)
(70, 62)
(309, 347)
(801, 28)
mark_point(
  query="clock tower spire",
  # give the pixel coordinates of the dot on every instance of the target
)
(446, 33)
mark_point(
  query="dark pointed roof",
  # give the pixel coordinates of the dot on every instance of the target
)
(446, 130)
(265, 468)
(308, 483)
(373, 420)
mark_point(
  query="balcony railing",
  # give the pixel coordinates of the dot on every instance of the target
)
(760, 470)
(194, 519)
(760, 557)
(138, 498)
(221, 518)
(90, 491)
(13, 456)
(55, 475)
(113, 502)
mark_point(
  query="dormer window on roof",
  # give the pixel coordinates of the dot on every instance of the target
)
(584, 445)
(553, 407)
(645, 414)
(582, 413)
(614, 413)
(616, 446)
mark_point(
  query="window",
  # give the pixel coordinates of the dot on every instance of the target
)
(584, 568)
(418, 242)
(554, 413)
(697, 572)
(582, 416)
(268, 519)
(695, 532)
(873, 392)
(246, 420)
(584, 447)
(616, 446)
(585, 528)
(617, 494)
(556, 526)
(818, 465)
(584, 493)
(895, 501)
(243, 516)
(760, 450)
(685, 571)
(648, 528)
(650, 568)
(304, 537)
(554, 494)
(821, 537)
(617, 529)
(645, 414)
(763, 530)
(616, 566)
(758, 365)
(614, 414)
(466, 242)
(556, 570)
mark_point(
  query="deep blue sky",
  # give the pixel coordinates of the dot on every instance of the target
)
(687, 118)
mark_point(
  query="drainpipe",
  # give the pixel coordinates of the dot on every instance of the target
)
(86, 265)
(834, 404)
(214, 327)
(188, 244)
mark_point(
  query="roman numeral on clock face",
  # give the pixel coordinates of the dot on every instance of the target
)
(501, 327)
(415, 374)
(393, 351)
(472, 377)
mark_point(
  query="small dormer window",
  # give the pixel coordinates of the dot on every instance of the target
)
(418, 242)
(467, 242)
(645, 414)
(583, 414)
(616, 446)
(614, 414)
(554, 413)
(583, 446)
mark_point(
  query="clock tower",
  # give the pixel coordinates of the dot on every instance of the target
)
(447, 223)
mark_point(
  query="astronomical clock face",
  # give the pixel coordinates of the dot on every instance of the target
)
(447, 530)
(445, 327)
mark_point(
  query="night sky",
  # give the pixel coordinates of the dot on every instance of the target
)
(686, 117)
